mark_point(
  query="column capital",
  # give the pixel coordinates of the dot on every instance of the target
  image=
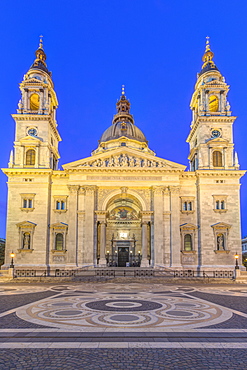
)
(175, 189)
(89, 189)
(73, 188)
(81, 190)
(158, 189)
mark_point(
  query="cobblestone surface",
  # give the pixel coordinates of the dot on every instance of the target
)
(8, 302)
(12, 321)
(235, 322)
(141, 358)
(233, 302)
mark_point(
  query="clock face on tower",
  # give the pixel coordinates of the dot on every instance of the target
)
(215, 133)
(32, 132)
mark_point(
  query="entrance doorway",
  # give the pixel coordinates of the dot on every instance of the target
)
(123, 256)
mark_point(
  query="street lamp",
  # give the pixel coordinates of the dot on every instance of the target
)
(236, 258)
(12, 255)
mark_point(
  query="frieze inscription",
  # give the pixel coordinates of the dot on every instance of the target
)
(131, 178)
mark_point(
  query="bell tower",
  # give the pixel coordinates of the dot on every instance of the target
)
(36, 134)
(210, 137)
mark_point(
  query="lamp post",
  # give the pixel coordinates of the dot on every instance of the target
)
(236, 258)
(12, 255)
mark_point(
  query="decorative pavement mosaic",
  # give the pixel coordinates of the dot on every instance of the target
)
(172, 324)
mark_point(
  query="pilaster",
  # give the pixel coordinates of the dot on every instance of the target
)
(158, 206)
(90, 234)
(175, 230)
(72, 246)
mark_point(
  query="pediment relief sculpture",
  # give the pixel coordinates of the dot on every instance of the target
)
(124, 160)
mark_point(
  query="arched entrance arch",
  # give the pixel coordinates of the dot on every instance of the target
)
(120, 234)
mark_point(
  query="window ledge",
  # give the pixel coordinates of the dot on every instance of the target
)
(188, 252)
(55, 251)
(26, 209)
(187, 212)
(60, 210)
(24, 250)
(220, 210)
(221, 251)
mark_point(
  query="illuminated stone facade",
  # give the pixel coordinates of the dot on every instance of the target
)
(123, 206)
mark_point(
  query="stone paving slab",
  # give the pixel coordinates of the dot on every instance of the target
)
(119, 326)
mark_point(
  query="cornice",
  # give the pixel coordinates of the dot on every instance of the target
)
(123, 170)
(209, 119)
(26, 171)
(220, 173)
(38, 117)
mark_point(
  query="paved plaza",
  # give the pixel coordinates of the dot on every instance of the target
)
(106, 325)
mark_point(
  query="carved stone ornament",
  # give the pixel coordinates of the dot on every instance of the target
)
(90, 189)
(73, 188)
(174, 189)
(124, 189)
(124, 160)
(158, 189)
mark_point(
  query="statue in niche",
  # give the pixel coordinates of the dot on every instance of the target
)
(228, 107)
(26, 241)
(220, 242)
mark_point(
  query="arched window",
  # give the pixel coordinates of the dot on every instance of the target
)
(30, 157)
(34, 102)
(59, 242)
(187, 242)
(217, 159)
(213, 103)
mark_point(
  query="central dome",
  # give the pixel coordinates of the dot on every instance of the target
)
(123, 123)
(123, 128)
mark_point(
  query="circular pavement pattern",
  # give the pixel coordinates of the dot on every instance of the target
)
(104, 305)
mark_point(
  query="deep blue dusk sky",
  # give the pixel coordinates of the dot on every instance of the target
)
(154, 47)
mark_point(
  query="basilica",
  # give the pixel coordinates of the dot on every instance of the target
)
(123, 206)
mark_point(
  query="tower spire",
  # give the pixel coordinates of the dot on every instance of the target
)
(40, 54)
(208, 59)
(123, 109)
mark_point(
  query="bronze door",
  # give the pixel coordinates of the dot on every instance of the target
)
(123, 256)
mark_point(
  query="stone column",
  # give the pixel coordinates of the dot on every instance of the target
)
(102, 261)
(72, 246)
(90, 247)
(158, 224)
(101, 219)
(175, 246)
(144, 261)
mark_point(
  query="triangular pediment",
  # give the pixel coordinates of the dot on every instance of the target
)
(126, 158)
(216, 82)
(221, 225)
(188, 226)
(26, 224)
(59, 225)
(218, 140)
(30, 139)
